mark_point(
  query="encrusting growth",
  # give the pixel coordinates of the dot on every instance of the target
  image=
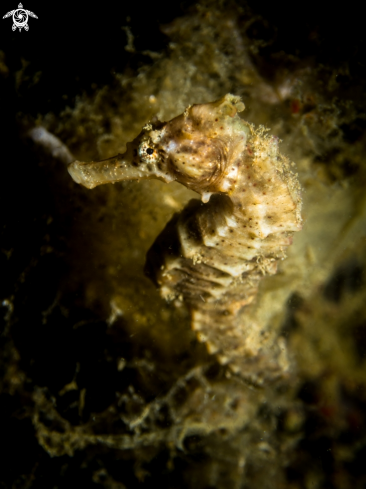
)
(212, 256)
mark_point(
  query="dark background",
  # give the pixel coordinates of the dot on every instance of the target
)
(75, 48)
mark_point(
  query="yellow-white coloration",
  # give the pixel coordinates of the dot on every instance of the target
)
(213, 254)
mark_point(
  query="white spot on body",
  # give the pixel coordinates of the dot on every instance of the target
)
(171, 147)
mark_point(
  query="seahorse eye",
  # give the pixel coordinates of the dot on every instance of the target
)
(147, 152)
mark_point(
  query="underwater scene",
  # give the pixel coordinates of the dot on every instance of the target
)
(183, 246)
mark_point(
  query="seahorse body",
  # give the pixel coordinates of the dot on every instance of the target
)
(213, 254)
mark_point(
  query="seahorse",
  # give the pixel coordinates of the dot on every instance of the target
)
(213, 254)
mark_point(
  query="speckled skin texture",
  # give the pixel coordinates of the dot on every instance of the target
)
(213, 255)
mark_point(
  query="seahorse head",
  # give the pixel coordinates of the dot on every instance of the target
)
(200, 148)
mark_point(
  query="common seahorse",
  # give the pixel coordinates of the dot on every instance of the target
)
(212, 256)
